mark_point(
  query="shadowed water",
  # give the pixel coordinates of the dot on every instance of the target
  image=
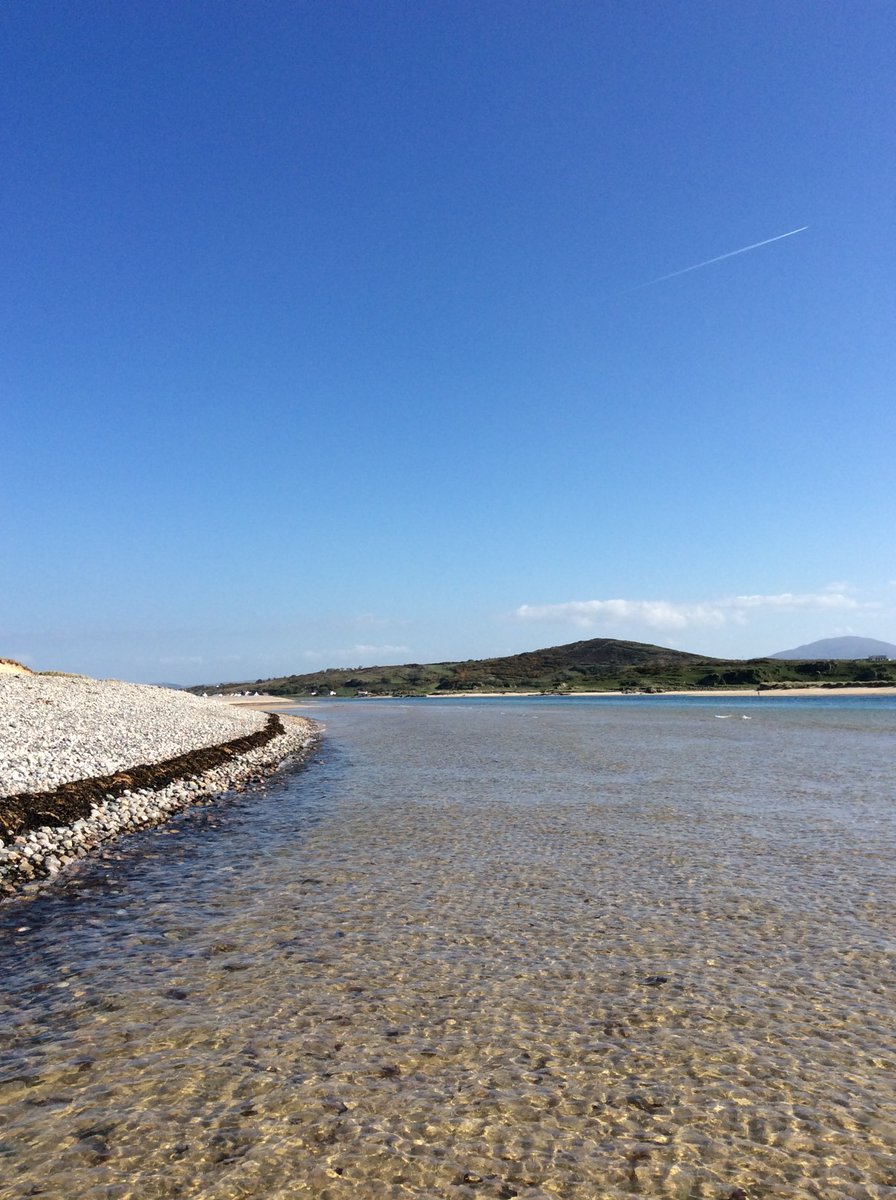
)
(480, 949)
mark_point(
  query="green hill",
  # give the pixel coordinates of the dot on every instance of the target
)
(596, 665)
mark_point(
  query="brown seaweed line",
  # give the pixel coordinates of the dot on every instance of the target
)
(70, 801)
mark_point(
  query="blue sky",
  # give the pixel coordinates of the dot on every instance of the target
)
(321, 345)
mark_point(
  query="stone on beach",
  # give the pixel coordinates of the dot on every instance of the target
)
(137, 753)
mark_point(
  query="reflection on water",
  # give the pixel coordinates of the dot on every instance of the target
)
(534, 949)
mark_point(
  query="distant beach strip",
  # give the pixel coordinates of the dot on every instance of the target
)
(83, 761)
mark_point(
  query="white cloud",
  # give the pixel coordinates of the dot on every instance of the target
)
(663, 614)
(587, 613)
(354, 654)
(794, 601)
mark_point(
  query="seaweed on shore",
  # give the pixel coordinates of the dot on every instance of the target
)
(70, 801)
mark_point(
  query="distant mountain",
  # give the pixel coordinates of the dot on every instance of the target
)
(596, 665)
(840, 647)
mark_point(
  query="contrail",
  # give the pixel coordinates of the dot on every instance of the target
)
(710, 261)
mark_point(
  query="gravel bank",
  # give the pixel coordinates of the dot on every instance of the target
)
(70, 745)
(54, 728)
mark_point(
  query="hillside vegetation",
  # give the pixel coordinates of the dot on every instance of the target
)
(596, 665)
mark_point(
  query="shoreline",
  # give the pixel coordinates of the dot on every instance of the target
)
(268, 703)
(747, 693)
(46, 829)
(811, 690)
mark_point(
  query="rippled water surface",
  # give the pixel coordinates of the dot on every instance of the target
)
(480, 949)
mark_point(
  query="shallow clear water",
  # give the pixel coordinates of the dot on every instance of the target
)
(535, 948)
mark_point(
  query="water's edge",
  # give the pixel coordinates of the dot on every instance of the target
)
(47, 831)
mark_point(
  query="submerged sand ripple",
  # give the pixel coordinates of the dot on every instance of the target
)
(466, 987)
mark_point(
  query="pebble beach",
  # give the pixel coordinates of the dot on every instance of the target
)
(56, 730)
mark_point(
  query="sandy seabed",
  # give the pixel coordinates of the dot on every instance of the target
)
(475, 954)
